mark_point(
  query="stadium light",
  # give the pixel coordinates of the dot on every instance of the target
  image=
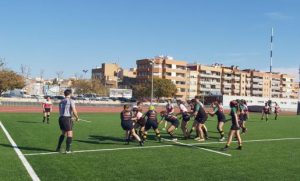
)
(152, 62)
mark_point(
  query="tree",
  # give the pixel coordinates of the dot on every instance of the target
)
(83, 86)
(10, 80)
(161, 88)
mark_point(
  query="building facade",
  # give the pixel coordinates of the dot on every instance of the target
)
(107, 74)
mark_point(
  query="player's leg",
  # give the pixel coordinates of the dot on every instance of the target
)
(200, 131)
(205, 131)
(230, 136)
(136, 137)
(60, 141)
(48, 117)
(157, 133)
(170, 130)
(69, 140)
(220, 129)
(194, 127)
(238, 135)
(44, 116)
(184, 129)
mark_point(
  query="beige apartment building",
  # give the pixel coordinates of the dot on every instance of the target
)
(165, 67)
(107, 74)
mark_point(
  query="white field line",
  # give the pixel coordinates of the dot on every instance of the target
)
(84, 120)
(28, 167)
(249, 141)
(101, 150)
(190, 145)
(161, 146)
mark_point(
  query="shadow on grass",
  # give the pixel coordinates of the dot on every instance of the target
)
(26, 148)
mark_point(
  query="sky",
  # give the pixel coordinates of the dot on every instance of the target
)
(72, 35)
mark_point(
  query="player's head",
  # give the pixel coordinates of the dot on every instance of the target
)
(169, 101)
(126, 107)
(163, 113)
(233, 104)
(67, 92)
(151, 108)
(48, 98)
(139, 103)
(140, 109)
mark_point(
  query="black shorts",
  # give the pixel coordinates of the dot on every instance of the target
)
(234, 127)
(222, 120)
(141, 122)
(201, 120)
(65, 123)
(47, 110)
(175, 123)
(151, 124)
(185, 117)
(127, 125)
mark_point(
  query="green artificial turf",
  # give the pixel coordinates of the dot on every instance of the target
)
(264, 160)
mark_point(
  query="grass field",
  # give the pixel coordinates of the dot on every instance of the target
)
(266, 154)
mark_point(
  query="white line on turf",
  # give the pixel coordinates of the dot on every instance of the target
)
(161, 146)
(249, 141)
(84, 120)
(28, 167)
(191, 145)
(100, 150)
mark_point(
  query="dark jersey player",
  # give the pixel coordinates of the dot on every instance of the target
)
(127, 124)
(151, 122)
(235, 127)
(172, 120)
(219, 112)
(201, 117)
(185, 118)
(66, 111)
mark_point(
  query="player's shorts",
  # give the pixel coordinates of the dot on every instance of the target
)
(185, 117)
(175, 123)
(65, 123)
(47, 110)
(127, 125)
(234, 127)
(141, 122)
(201, 120)
(267, 112)
(222, 120)
(151, 124)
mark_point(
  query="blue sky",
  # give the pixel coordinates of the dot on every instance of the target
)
(72, 35)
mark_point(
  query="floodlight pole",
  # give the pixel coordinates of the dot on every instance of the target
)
(298, 110)
(152, 67)
(271, 62)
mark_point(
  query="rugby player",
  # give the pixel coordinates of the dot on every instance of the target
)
(169, 110)
(127, 125)
(185, 118)
(219, 111)
(235, 129)
(171, 119)
(47, 109)
(66, 111)
(201, 117)
(276, 110)
(265, 112)
(151, 123)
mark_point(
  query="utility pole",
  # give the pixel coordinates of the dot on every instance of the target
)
(298, 110)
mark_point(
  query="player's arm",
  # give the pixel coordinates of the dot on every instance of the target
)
(236, 119)
(196, 110)
(75, 113)
(161, 120)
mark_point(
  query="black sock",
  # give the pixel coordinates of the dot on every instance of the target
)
(69, 142)
(48, 118)
(222, 134)
(44, 119)
(60, 140)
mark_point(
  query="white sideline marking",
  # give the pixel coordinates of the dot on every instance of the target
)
(249, 141)
(100, 150)
(191, 145)
(28, 167)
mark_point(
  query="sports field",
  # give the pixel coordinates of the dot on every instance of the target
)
(271, 151)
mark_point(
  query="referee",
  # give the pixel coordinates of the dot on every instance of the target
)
(66, 110)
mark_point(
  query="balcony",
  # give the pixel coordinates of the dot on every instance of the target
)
(227, 78)
(210, 75)
(257, 86)
(257, 80)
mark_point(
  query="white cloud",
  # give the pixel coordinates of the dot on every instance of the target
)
(278, 16)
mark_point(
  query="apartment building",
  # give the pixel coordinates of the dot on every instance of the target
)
(165, 67)
(107, 74)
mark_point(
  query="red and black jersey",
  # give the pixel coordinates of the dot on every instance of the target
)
(126, 115)
(151, 115)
